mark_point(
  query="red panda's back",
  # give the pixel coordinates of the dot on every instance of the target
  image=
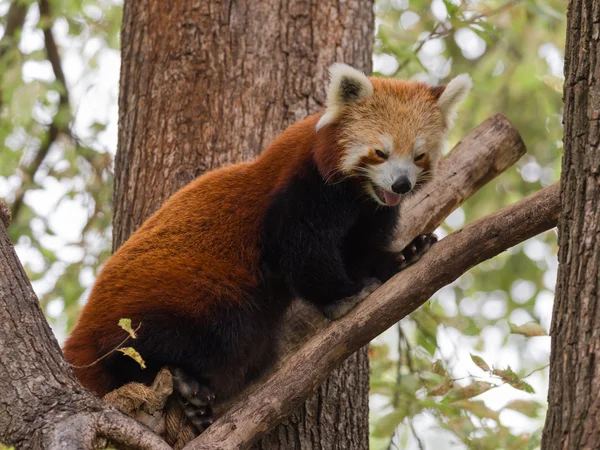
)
(199, 249)
(197, 254)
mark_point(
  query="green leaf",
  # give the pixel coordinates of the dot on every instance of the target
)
(388, 423)
(478, 408)
(529, 329)
(441, 389)
(479, 362)
(133, 354)
(530, 408)
(98, 127)
(462, 393)
(126, 325)
(510, 377)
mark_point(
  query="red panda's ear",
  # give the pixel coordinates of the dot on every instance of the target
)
(448, 97)
(346, 86)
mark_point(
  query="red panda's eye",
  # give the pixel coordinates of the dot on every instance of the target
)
(381, 154)
(420, 157)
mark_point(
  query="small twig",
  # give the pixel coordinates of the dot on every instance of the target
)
(15, 18)
(110, 352)
(503, 383)
(416, 435)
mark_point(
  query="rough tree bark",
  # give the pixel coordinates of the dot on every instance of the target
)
(42, 405)
(207, 83)
(573, 420)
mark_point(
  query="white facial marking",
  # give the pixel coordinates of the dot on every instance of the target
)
(356, 152)
(353, 156)
(419, 143)
(388, 142)
(394, 168)
(384, 175)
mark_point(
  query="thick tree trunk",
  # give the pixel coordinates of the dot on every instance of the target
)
(573, 420)
(207, 83)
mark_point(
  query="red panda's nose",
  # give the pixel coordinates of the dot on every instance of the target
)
(402, 185)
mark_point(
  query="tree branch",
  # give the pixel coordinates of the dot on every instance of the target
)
(89, 430)
(486, 152)
(284, 390)
(14, 19)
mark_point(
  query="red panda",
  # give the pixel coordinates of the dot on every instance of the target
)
(209, 276)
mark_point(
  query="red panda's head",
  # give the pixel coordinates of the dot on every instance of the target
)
(389, 133)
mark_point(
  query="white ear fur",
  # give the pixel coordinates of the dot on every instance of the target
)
(453, 95)
(347, 85)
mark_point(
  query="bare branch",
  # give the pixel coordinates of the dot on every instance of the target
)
(52, 50)
(283, 391)
(85, 430)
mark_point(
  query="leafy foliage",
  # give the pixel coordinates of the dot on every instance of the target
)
(55, 171)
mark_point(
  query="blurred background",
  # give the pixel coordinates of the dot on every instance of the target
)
(460, 372)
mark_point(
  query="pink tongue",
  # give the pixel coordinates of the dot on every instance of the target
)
(391, 199)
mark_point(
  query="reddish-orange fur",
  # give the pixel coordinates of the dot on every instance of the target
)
(203, 244)
(209, 233)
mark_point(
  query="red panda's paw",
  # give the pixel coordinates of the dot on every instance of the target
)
(417, 248)
(195, 397)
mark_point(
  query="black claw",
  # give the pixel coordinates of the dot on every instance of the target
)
(413, 251)
(195, 397)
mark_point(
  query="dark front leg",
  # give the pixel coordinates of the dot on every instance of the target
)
(341, 307)
(321, 279)
(387, 264)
